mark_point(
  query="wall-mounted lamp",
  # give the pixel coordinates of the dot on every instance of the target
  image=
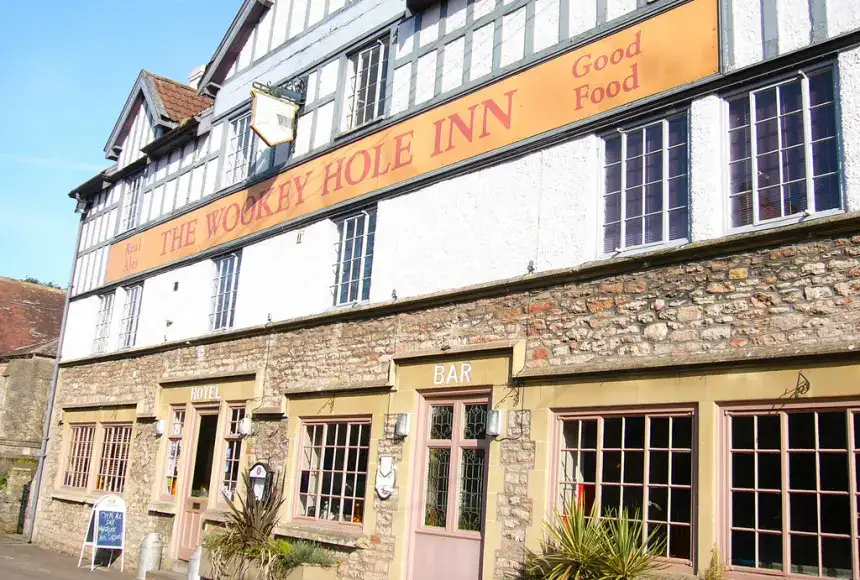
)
(494, 422)
(245, 426)
(159, 428)
(401, 427)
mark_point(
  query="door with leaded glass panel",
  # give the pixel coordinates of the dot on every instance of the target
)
(454, 454)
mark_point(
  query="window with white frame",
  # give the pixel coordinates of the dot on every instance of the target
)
(174, 450)
(783, 153)
(103, 322)
(638, 462)
(232, 453)
(130, 316)
(225, 286)
(240, 150)
(333, 470)
(354, 258)
(131, 203)
(646, 185)
(79, 456)
(793, 491)
(365, 99)
(114, 459)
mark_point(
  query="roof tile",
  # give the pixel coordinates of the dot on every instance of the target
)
(180, 101)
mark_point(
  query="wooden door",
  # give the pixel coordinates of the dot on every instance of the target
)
(448, 532)
(195, 489)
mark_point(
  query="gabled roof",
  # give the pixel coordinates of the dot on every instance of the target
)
(180, 102)
(232, 43)
(30, 314)
(170, 103)
(45, 349)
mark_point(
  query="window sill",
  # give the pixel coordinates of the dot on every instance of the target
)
(76, 496)
(162, 507)
(345, 537)
(784, 221)
(644, 248)
(215, 515)
(347, 132)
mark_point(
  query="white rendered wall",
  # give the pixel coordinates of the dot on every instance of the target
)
(842, 16)
(490, 224)
(746, 32)
(80, 327)
(708, 167)
(285, 279)
(794, 25)
(187, 307)
(849, 95)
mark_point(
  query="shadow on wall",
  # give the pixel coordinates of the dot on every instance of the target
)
(16, 476)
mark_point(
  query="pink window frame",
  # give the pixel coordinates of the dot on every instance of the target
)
(561, 415)
(231, 437)
(297, 516)
(173, 437)
(851, 409)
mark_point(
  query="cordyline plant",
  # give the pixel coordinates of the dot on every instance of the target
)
(580, 546)
(247, 540)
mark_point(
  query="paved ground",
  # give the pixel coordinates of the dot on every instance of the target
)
(21, 561)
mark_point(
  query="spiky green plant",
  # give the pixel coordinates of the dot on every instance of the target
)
(247, 539)
(580, 546)
(247, 535)
(571, 549)
(624, 556)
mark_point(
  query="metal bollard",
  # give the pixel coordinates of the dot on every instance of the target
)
(194, 564)
(149, 556)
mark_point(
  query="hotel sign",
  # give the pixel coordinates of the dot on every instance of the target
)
(672, 49)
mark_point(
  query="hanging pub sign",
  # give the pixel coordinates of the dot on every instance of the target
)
(106, 529)
(273, 117)
(672, 49)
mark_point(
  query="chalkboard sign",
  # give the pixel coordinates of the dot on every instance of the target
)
(106, 528)
(111, 528)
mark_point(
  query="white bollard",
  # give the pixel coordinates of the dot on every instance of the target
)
(194, 564)
(149, 556)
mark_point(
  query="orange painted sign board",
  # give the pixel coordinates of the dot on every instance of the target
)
(674, 48)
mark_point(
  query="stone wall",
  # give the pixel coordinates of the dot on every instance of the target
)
(23, 399)
(15, 478)
(707, 303)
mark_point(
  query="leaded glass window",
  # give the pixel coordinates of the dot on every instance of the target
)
(455, 469)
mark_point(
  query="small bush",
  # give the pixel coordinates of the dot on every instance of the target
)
(716, 569)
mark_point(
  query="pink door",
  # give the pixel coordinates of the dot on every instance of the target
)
(195, 497)
(448, 530)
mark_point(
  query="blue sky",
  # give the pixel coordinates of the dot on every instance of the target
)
(65, 72)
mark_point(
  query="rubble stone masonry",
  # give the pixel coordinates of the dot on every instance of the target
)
(793, 291)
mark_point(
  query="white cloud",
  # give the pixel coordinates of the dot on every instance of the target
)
(52, 162)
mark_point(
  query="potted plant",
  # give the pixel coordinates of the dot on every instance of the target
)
(247, 549)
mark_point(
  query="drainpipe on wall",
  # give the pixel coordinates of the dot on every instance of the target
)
(30, 523)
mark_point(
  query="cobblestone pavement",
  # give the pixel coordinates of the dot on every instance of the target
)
(20, 561)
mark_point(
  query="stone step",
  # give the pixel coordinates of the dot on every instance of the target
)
(165, 575)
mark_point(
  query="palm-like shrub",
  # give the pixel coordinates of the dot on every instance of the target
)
(248, 539)
(580, 546)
